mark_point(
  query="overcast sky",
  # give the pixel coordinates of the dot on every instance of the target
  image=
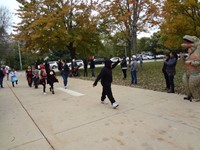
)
(12, 5)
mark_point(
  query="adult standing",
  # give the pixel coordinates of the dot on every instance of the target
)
(47, 67)
(85, 62)
(171, 70)
(59, 66)
(141, 61)
(133, 69)
(1, 77)
(65, 73)
(165, 72)
(124, 67)
(92, 66)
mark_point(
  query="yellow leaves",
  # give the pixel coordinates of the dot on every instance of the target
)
(65, 10)
(35, 36)
(180, 19)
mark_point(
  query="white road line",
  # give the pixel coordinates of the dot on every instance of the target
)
(73, 93)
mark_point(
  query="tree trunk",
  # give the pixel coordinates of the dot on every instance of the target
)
(72, 51)
(134, 41)
(134, 28)
(129, 50)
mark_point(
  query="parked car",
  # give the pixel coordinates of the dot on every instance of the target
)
(147, 57)
(160, 56)
(115, 59)
(99, 60)
(79, 63)
(53, 64)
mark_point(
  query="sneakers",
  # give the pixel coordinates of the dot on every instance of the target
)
(44, 93)
(115, 105)
(188, 98)
(65, 87)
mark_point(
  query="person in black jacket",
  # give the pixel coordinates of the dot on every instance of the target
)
(85, 62)
(124, 67)
(106, 79)
(171, 69)
(92, 67)
(65, 72)
(60, 65)
(52, 79)
(165, 72)
(1, 77)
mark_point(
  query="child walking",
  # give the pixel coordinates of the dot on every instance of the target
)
(106, 79)
(51, 79)
(29, 76)
(43, 78)
(13, 77)
(36, 79)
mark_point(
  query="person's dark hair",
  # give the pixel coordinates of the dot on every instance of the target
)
(175, 54)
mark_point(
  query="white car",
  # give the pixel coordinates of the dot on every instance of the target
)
(53, 64)
(145, 57)
(79, 62)
(160, 56)
(115, 59)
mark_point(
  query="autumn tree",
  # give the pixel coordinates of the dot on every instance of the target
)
(130, 17)
(180, 18)
(50, 25)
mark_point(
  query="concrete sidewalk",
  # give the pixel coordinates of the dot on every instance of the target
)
(74, 119)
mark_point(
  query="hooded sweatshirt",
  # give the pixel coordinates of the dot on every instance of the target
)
(106, 73)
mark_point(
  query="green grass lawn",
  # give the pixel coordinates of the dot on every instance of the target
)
(150, 76)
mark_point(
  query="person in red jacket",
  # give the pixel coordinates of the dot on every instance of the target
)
(29, 76)
(43, 78)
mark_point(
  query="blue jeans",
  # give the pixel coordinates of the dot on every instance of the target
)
(92, 71)
(171, 82)
(134, 77)
(65, 77)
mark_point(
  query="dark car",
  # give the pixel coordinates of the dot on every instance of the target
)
(99, 60)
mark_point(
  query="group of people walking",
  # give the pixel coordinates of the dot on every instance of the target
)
(5, 71)
(45, 76)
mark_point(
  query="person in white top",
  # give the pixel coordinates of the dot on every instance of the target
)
(13, 77)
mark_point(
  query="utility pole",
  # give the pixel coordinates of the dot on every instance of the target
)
(20, 57)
